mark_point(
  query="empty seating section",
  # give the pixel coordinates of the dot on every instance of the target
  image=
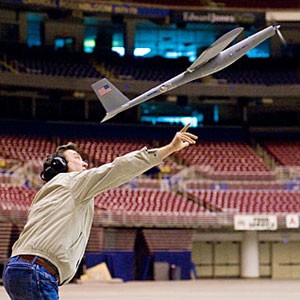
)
(138, 205)
(149, 69)
(238, 184)
(54, 68)
(228, 162)
(145, 200)
(225, 160)
(285, 153)
(260, 71)
(46, 61)
(16, 198)
(266, 77)
(248, 201)
(25, 148)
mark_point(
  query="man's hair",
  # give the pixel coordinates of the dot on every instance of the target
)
(60, 150)
(50, 170)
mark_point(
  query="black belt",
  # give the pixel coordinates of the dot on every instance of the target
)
(41, 262)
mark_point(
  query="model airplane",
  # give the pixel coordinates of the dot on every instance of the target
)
(212, 60)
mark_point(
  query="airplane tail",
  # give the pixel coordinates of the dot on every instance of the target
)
(110, 97)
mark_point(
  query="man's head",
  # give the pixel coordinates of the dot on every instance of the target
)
(65, 159)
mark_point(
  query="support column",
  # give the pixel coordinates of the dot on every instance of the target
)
(23, 28)
(250, 255)
(129, 36)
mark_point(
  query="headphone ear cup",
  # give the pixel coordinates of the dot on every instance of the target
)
(59, 164)
(48, 174)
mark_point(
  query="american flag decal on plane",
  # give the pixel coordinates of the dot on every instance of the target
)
(104, 90)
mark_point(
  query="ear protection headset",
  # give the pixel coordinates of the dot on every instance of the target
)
(56, 165)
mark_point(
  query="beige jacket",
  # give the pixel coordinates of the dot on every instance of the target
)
(61, 214)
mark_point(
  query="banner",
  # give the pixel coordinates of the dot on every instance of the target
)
(123, 9)
(47, 3)
(94, 6)
(255, 222)
(215, 17)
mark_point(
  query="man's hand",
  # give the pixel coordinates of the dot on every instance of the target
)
(181, 140)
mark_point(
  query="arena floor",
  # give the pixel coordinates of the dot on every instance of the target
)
(238, 289)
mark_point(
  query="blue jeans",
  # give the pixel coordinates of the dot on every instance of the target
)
(25, 280)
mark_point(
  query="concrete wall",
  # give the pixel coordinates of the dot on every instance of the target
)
(218, 255)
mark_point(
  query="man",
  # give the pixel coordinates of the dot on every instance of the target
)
(54, 238)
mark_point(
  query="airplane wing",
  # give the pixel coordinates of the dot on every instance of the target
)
(215, 48)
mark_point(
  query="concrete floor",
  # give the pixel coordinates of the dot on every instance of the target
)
(235, 289)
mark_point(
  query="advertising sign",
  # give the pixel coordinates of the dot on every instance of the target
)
(255, 222)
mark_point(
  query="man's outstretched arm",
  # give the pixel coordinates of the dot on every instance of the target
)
(89, 183)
